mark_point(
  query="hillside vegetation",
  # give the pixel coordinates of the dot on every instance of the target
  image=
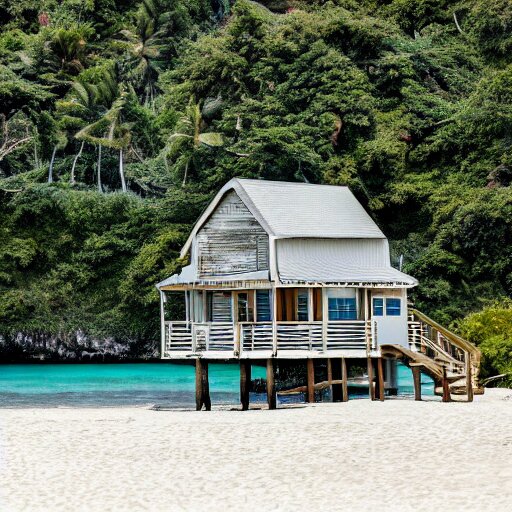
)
(120, 120)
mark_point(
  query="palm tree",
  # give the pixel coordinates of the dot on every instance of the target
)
(83, 105)
(185, 142)
(67, 48)
(111, 131)
(144, 50)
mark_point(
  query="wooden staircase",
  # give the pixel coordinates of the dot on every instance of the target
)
(452, 362)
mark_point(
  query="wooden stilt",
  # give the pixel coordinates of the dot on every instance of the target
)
(199, 387)
(416, 376)
(380, 379)
(469, 378)
(329, 376)
(271, 385)
(245, 383)
(344, 378)
(202, 386)
(337, 389)
(311, 381)
(371, 389)
(446, 387)
(206, 388)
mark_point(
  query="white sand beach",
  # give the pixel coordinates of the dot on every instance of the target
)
(361, 455)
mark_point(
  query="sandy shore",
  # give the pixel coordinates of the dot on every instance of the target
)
(391, 456)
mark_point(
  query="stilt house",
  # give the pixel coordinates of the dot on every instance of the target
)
(299, 271)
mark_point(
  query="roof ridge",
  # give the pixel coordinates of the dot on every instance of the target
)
(290, 183)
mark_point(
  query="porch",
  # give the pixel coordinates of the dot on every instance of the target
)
(286, 322)
(257, 340)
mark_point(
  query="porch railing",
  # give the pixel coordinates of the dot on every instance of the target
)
(259, 336)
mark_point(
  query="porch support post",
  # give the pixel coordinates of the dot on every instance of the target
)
(344, 378)
(367, 330)
(271, 385)
(202, 386)
(380, 379)
(325, 318)
(416, 375)
(371, 389)
(245, 382)
(446, 387)
(162, 324)
(274, 321)
(310, 381)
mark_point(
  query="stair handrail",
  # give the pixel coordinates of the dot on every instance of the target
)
(472, 353)
(440, 350)
(453, 338)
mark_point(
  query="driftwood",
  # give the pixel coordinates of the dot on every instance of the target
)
(318, 386)
(495, 377)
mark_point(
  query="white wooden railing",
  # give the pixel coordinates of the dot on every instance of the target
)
(188, 337)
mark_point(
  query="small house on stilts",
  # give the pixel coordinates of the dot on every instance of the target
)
(298, 271)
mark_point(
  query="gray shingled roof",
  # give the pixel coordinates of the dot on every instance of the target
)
(298, 210)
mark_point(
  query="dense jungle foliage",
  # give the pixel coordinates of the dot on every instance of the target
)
(120, 120)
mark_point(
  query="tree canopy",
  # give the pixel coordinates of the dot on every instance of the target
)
(408, 102)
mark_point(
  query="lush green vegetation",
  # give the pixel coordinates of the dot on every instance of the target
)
(409, 102)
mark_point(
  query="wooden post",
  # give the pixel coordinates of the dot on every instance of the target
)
(367, 333)
(416, 376)
(162, 324)
(199, 388)
(202, 386)
(344, 378)
(274, 321)
(329, 375)
(325, 319)
(271, 385)
(446, 387)
(245, 383)
(310, 381)
(371, 389)
(380, 379)
(469, 378)
(337, 389)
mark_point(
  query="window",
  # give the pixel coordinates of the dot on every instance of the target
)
(342, 308)
(263, 305)
(378, 307)
(302, 306)
(392, 307)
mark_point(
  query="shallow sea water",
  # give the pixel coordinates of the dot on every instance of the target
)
(139, 384)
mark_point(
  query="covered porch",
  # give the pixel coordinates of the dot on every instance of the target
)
(286, 322)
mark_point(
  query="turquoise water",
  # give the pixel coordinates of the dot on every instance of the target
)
(52, 385)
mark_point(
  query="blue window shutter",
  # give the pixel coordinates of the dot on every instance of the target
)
(378, 307)
(393, 307)
(263, 305)
(302, 306)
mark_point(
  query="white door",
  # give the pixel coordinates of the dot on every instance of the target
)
(389, 317)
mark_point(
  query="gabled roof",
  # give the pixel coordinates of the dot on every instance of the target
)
(298, 210)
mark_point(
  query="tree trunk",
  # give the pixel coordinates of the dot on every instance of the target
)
(77, 156)
(98, 167)
(36, 156)
(50, 170)
(121, 171)
(185, 175)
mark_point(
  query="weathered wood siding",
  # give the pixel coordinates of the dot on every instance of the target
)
(232, 241)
